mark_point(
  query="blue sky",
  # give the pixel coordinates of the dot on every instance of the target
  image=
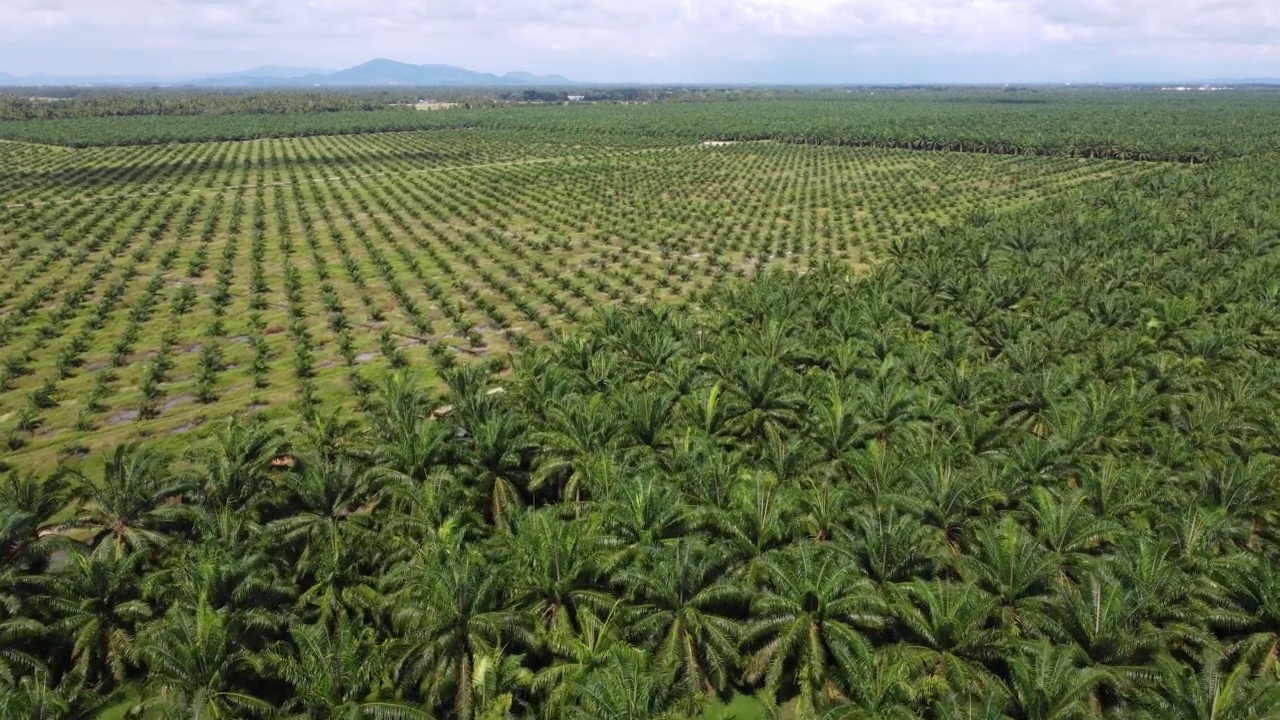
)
(818, 41)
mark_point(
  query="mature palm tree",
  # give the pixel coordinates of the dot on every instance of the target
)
(19, 649)
(409, 442)
(338, 673)
(234, 467)
(766, 391)
(890, 547)
(29, 529)
(29, 537)
(646, 417)
(328, 440)
(1067, 529)
(1103, 619)
(496, 680)
(882, 684)
(889, 404)
(754, 521)
(646, 515)
(436, 511)
(235, 568)
(450, 608)
(710, 411)
(493, 465)
(1047, 682)
(789, 457)
(133, 504)
(947, 498)
(1009, 566)
(554, 572)
(34, 698)
(949, 627)
(1211, 692)
(98, 606)
(1253, 591)
(195, 667)
(575, 656)
(683, 611)
(331, 528)
(836, 430)
(577, 435)
(630, 687)
(807, 620)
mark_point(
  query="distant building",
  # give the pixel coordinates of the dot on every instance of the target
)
(577, 98)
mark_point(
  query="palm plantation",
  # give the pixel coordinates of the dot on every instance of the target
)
(981, 480)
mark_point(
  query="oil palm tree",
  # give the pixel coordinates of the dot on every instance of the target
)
(554, 572)
(1068, 531)
(338, 672)
(1047, 682)
(1253, 592)
(882, 684)
(891, 547)
(637, 522)
(754, 521)
(767, 394)
(949, 626)
(408, 441)
(330, 525)
(450, 608)
(493, 466)
(29, 538)
(33, 697)
(808, 619)
(29, 528)
(195, 668)
(133, 504)
(682, 614)
(1102, 619)
(1213, 691)
(630, 688)
(235, 568)
(1008, 565)
(98, 607)
(498, 680)
(576, 435)
(234, 467)
(574, 657)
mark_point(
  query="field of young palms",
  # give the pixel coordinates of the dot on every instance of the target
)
(148, 290)
(786, 430)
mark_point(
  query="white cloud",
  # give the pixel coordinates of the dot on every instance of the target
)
(587, 36)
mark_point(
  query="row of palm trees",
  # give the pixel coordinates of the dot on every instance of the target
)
(1026, 470)
(348, 585)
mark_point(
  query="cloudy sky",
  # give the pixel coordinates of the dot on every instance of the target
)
(819, 41)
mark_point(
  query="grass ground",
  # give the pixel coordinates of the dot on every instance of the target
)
(147, 291)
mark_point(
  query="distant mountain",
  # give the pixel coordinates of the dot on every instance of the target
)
(524, 78)
(375, 73)
(278, 72)
(390, 72)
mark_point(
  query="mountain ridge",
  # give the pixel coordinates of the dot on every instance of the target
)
(379, 72)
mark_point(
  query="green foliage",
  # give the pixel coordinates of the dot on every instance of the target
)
(1025, 468)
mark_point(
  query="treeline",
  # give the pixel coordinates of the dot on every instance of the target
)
(1026, 469)
(1149, 126)
(159, 130)
(60, 103)
(55, 103)
(1143, 126)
